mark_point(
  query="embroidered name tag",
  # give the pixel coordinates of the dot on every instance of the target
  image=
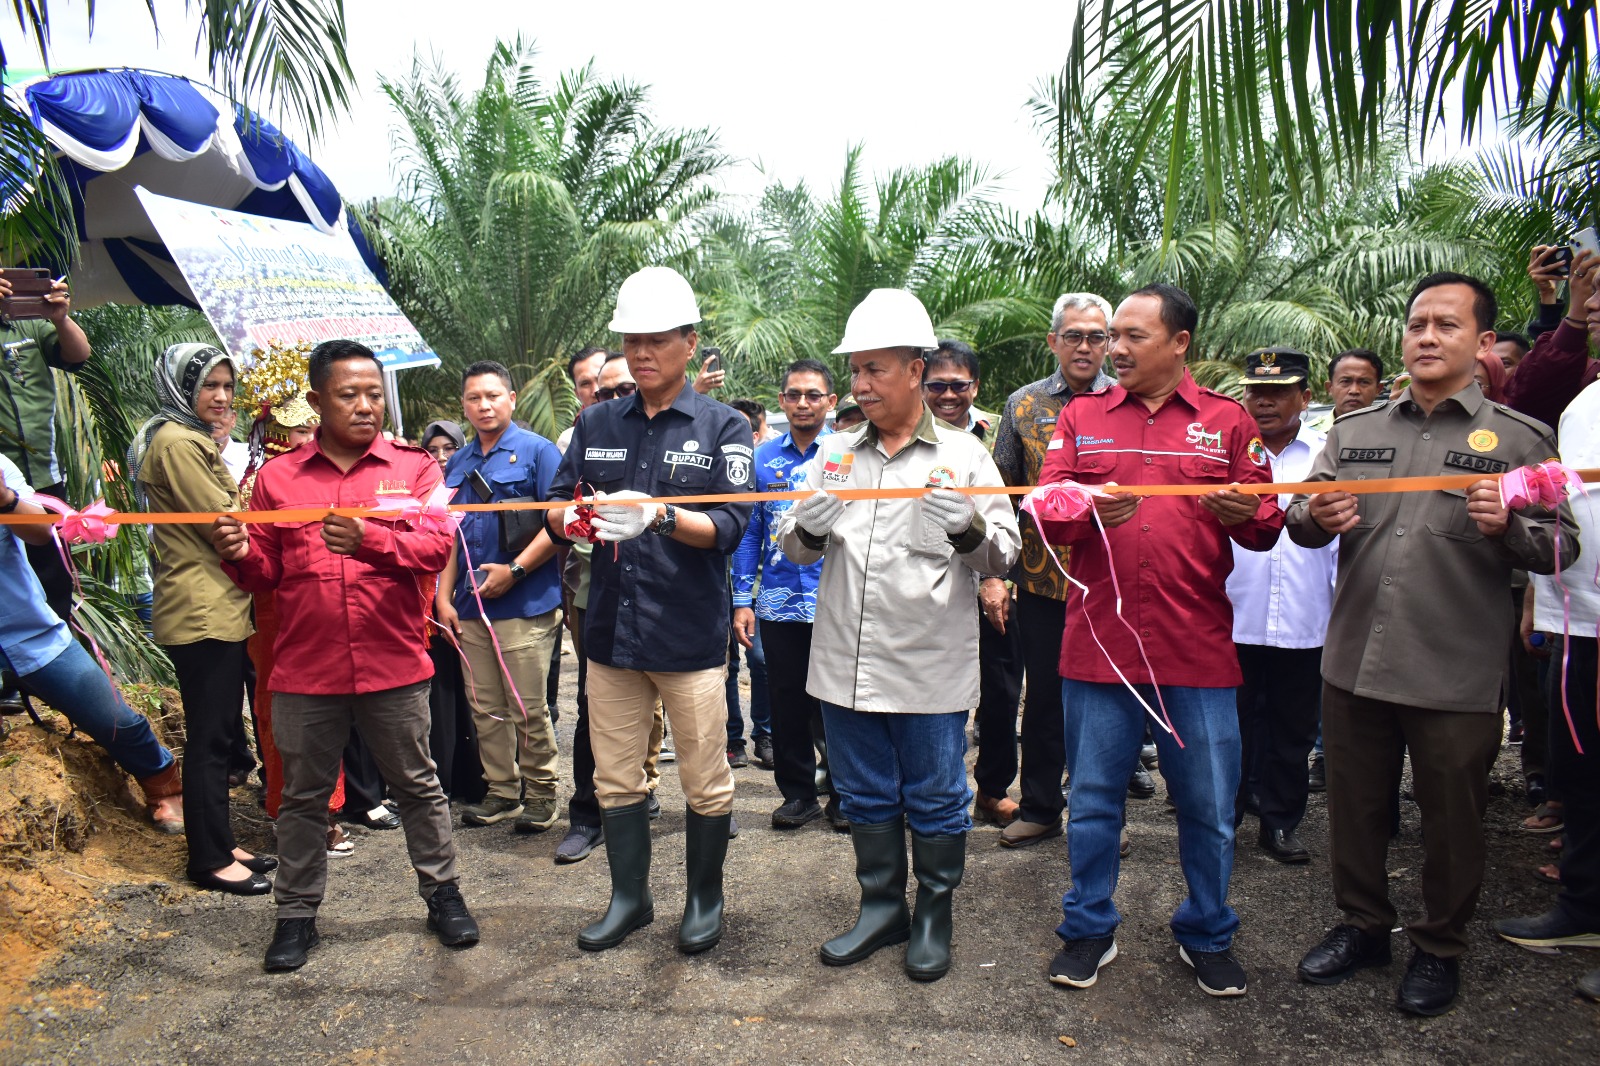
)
(1366, 455)
(689, 459)
(1478, 464)
(392, 488)
(603, 454)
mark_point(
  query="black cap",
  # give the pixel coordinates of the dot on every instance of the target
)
(1276, 366)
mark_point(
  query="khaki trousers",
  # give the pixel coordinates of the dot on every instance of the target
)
(517, 744)
(624, 716)
(1451, 754)
(311, 732)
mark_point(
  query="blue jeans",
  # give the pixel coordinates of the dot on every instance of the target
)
(1104, 727)
(74, 684)
(889, 764)
(760, 715)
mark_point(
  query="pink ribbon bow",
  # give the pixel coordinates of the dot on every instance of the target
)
(1068, 501)
(1543, 484)
(434, 516)
(87, 526)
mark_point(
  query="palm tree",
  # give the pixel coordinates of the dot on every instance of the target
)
(522, 208)
(285, 55)
(1313, 86)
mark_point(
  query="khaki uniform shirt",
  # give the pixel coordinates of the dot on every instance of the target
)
(1421, 611)
(194, 599)
(897, 605)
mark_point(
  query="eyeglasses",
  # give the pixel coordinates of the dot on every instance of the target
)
(623, 388)
(1072, 338)
(437, 450)
(795, 396)
(939, 388)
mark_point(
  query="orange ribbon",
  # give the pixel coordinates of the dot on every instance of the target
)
(316, 514)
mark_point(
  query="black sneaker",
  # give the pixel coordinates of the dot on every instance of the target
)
(290, 942)
(1078, 963)
(1217, 972)
(763, 753)
(835, 816)
(1430, 985)
(578, 843)
(737, 760)
(796, 813)
(448, 917)
(1141, 785)
(652, 805)
(1552, 929)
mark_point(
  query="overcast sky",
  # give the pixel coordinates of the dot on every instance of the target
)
(789, 87)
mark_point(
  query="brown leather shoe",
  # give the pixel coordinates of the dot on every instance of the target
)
(1022, 834)
(163, 797)
(1002, 812)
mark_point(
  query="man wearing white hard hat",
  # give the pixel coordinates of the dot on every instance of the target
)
(658, 619)
(894, 658)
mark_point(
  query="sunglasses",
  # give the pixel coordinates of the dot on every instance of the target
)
(939, 388)
(623, 388)
(1072, 338)
(795, 396)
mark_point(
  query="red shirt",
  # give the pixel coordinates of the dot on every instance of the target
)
(348, 624)
(1172, 557)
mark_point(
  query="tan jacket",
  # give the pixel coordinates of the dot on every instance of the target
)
(194, 599)
(897, 607)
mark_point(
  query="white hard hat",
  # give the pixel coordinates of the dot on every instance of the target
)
(888, 318)
(653, 300)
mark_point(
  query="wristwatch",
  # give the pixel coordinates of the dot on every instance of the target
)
(12, 506)
(667, 522)
(518, 571)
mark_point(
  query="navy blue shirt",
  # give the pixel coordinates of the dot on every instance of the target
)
(658, 604)
(521, 463)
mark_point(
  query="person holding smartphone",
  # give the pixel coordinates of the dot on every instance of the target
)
(514, 588)
(1558, 367)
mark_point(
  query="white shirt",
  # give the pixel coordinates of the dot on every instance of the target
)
(236, 457)
(1580, 449)
(1282, 598)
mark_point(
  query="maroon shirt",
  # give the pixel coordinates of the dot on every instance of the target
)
(1552, 374)
(1172, 557)
(348, 624)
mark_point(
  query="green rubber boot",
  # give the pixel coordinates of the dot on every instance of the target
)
(705, 846)
(881, 870)
(938, 863)
(627, 835)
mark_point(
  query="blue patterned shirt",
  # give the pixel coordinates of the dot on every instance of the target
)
(788, 591)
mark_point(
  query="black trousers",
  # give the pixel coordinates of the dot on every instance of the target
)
(1040, 623)
(211, 682)
(552, 688)
(452, 737)
(584, 808)
(241, 757)
(999, 690)
(1280, 707)
(1579, 777)
(364, 787)
(795, 714)
(1526, 699)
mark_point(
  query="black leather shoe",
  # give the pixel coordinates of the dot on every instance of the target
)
(1317, 776)
(1141, 785)
(653, 805)
(449, 918)
(294, 937)
(380, 818)
(1429, 986)
(254, 885)
(1342, 952)
(261, 864)
(1284, 846)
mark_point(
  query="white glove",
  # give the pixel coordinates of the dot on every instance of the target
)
(617, 518)
(817, 513)
(949, 510)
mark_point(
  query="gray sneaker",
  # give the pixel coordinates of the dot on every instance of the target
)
(536, 817)
(493, 809)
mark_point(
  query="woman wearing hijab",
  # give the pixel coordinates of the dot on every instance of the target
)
(200, 617)
(1491, 376)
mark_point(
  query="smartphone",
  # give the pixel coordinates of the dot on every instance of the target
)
(1561, 259)
(711, 360)
(478, 577)
(29, 287)
(480, 487)
(1587, 240)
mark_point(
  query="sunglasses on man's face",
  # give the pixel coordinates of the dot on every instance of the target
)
(795, 396)
(622, 388)
(939, 388)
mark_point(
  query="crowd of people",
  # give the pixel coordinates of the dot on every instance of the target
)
(1252, 647)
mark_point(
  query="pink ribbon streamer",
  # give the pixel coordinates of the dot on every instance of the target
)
(79, 527)
(1546, 485)
(1068, 501)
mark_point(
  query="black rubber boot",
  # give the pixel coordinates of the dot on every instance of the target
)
(627, 832)
(881, 869)
(705, 846)
(938, 863)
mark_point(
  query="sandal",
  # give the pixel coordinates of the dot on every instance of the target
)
(1549, 873)
(1547, 819)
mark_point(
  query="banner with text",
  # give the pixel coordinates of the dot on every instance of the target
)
(261, 279)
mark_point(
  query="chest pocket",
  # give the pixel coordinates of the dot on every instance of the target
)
(605, 474)
(684, 478)
(298, 542)
(1372, 507)
(1200, 470)
(1447, 516)
(1096, 468)
(511, 482)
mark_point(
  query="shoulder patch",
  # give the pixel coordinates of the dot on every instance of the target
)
(1532, 423)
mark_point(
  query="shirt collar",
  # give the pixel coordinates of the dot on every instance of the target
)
(687, 402)
(382, 449)
(925, 430)
(787, 440)
(1188, 391)
(508, 440)
(1469, 398)
(1056, 384)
